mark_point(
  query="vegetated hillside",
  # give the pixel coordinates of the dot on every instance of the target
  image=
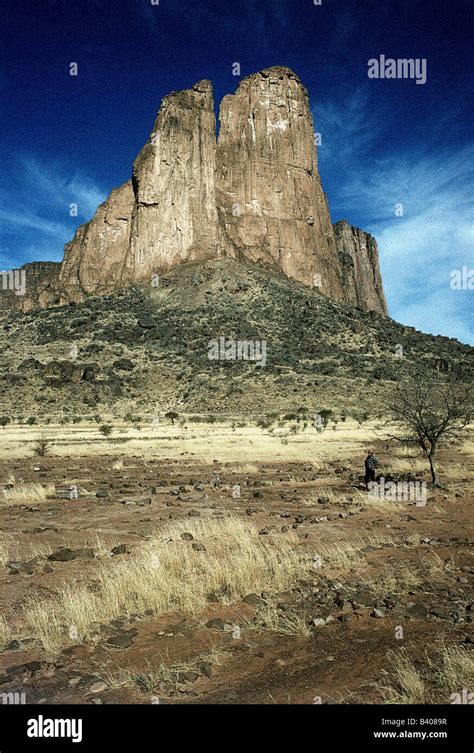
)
(144, 350)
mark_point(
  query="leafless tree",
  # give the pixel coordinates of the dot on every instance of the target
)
(428, 412)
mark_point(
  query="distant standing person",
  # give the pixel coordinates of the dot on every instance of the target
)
(371, 463)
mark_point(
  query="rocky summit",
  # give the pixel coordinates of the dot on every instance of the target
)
(252, 194)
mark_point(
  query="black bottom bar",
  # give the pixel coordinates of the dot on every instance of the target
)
(157, 727)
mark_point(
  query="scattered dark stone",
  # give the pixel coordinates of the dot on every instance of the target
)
(379, 613)
(34, 666)
(131, 632)
(62, 555)
(124, 364)
(17, 669)
(254, 600)
(206, 669)
(215, 624)
(84, 554)
(123, 640)
(14, 567)
(12, 646)
(189, 676)
(199, 547)
(140, 502)
(147, 322)
(438, 612)
(102, 493)
(28, 567)
(187, 536)
(418, 611)
(121, 549)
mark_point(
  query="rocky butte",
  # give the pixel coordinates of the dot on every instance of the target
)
(252, 194)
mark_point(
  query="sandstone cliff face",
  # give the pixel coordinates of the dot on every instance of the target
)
(94, 260)
(271, 204)
(255, 194)
(164, 216)
(175, 215)
(358, 255)
(41, 282)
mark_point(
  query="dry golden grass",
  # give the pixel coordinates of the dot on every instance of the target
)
(12, 549)
(453, 471)
(5, 631)
(6, 543)
(27, 494)
(167, 574)
(288, 622)
(163, 675)
(102, 543)
(208, 442)
(384, 505)
(408, 465)
(449, 669)
(340, 556)
(453, 666)
(393, 581)
(343, 555)
(433, 565)
(359, 497)
(245, 468)
(322, 491)
(402, 683)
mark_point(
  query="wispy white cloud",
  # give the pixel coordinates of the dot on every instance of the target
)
(429, 186)
(59, 187)
(433, 236)
(21, 220)
(35, 210)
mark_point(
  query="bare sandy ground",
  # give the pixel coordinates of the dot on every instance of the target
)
(323, 594)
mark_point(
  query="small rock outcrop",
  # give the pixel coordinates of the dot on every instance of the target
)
(32, 286)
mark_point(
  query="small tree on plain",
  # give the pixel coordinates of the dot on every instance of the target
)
(4, 420)
(42, 446)
(325, 414)
(427, 413)
(105, 430)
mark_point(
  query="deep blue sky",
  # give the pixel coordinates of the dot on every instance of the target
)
(71, 139)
